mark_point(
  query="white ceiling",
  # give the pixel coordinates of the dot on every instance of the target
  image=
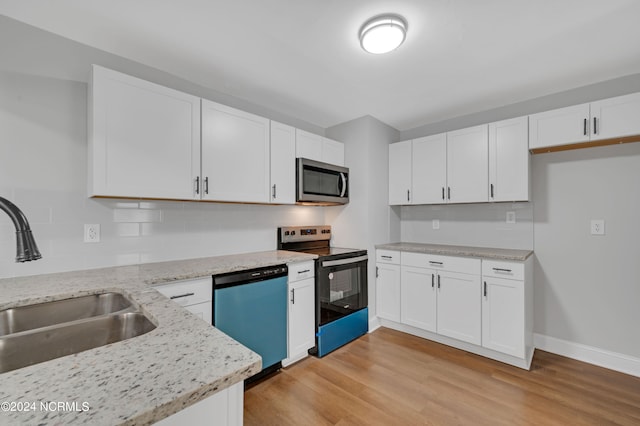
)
(302, 57)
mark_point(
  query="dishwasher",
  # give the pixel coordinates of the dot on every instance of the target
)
(251, 307)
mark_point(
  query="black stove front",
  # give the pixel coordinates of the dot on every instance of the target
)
(341, 285)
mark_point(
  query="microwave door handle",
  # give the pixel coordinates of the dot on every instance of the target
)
(343, 179)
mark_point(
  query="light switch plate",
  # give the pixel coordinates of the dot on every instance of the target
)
(511, 217)
(597, 226)
(435, 223)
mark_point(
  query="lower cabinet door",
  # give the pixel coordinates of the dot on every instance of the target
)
(459, 306)
(418, 298)
(301, 318)
(388, 291)
(503, 316)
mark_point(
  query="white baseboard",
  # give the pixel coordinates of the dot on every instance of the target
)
(374, 324)
(601, 357)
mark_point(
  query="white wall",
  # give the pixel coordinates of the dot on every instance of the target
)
(43, 156)
(587, 288)
(366, 220)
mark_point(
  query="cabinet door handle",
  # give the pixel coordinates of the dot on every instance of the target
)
(595, 126)
(433, 262)
(433, 283)
(584, 130)
(376, 272)
(408, 195)
(491, 190)
(274, 191)
(443, 192)
(501, 270)
(448, 192)
(438, 281)
(206, 185)
(198, 185)
(182, 295)
(485, 289)
(293, 296)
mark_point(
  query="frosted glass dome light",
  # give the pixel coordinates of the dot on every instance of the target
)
(382, 34)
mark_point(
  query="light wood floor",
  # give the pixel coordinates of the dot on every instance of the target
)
(391, 378)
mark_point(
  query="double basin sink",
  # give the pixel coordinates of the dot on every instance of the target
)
(36, 333)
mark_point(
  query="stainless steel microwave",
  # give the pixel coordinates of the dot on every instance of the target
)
(321, 183)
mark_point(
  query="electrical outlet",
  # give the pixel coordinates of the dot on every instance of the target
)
(511, 217)
(435, 223)
(92, 233)
(597, 226)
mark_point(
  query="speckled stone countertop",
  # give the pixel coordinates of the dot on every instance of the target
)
(446, 250)
(139, 380)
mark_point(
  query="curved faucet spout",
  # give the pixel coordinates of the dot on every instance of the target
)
(26, 248)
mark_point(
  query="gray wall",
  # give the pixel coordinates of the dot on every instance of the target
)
(366, 220)
(586, 288)
(43, 169)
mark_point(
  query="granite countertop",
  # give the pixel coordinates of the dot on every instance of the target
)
(139, 380)
(465, 251)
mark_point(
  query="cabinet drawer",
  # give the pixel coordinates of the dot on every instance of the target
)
(301, 270)
(189, 292)
(502, 269)
(462, 265)
(388, 256)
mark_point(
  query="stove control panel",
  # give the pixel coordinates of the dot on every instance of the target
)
(292, 234)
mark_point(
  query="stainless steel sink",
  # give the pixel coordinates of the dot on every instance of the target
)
(110, 319)
(29, 317)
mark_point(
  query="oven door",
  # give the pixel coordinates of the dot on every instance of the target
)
(341, 288)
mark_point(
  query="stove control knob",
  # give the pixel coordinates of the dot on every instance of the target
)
(293, 232)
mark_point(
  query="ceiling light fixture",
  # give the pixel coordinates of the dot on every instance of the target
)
(383, 33)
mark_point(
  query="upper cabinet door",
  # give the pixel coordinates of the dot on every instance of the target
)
(400, 173)
(509, 160)
(467, 165)
(332, 152)
(308, 145)
(283, 163)
(615, 117)
(235, 155)
(144, 139)
(559, 127)
(429, 169)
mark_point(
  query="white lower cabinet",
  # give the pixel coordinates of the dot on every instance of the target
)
(505, 309)
(224, 408)
(194, 295)
(479, 305)
(388, 285)
(301, 311)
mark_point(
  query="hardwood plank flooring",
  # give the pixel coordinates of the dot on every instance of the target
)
(391, 378)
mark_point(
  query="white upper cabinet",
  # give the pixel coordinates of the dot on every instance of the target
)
(283, 163)
(144, 139)
(559, 127)
(606, 119)
(332, 152)
(509, 160)
(467, 165)
(400, 173)
(235, 155)
(318, 148)
(308, 145)
(615, 117)
(429, 169)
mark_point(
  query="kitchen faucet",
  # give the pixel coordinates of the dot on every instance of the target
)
(27, 249)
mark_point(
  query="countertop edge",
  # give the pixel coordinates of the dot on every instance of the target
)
(515, 255)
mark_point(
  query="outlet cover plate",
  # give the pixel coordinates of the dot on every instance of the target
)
(92, 233)
(435, 223)
(511, 217)
(597, 226)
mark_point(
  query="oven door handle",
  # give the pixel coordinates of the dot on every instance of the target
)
(328, 263)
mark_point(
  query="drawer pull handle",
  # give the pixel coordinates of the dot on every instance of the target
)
(431, 262)
(502, 270)
(304, 272)
(182, 295)
(386, 257)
